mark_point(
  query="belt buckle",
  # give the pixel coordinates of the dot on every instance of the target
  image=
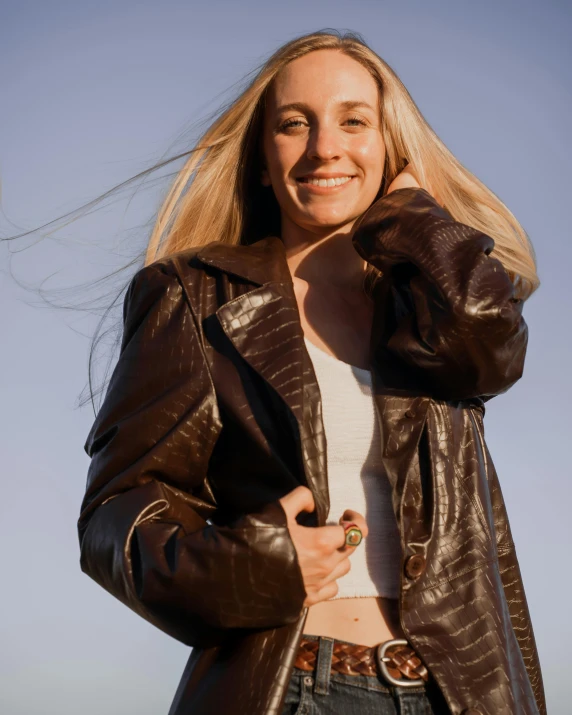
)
(382, 659)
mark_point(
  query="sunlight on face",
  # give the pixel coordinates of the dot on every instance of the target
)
(322, 120)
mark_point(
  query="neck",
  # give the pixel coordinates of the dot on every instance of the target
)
(324, 257)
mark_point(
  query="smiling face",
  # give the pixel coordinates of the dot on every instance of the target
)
(322, 142)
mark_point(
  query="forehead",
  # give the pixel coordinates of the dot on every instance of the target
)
(322, 76)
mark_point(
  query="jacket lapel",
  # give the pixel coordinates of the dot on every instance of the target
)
(264, 326)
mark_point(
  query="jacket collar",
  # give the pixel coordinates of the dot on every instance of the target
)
(261, 262)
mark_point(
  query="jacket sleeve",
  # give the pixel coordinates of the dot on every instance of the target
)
(143, 526)
(446, 323)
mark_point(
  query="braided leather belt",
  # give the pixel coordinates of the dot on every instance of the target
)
(395, 660)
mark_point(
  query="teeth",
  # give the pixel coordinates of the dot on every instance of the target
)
(328, 182)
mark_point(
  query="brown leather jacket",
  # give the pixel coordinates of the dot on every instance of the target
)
(213, 413)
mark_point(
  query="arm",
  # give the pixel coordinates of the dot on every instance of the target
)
(142, 529)
(447, 323)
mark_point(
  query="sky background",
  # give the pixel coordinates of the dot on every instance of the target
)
(95, 92)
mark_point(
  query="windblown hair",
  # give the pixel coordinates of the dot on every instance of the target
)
(217, 195)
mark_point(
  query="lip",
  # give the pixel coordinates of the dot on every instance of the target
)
(335, 175)
(323, 189)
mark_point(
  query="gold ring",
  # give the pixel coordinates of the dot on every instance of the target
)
(354, 534)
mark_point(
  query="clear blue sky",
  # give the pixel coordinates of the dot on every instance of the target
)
(94, 92)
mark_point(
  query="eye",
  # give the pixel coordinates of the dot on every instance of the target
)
(289, 123)
(356, 119)
(294, 122)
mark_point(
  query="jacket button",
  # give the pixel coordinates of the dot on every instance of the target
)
(414, 567)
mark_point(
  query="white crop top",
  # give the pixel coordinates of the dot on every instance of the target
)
(356, 477)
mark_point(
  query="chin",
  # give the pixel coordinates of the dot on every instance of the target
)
(328, 218)
(334, 221)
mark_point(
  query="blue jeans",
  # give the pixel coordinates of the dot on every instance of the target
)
(321, 692)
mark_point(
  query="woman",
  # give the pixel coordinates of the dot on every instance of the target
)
(289, 471)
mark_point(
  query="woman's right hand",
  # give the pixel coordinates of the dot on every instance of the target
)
(322, 552)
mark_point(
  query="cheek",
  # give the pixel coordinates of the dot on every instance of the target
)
(370, 153)
(284, 154)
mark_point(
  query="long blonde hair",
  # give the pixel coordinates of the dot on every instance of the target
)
(217, 195)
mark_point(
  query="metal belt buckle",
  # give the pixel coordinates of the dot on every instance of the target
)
(382, 659)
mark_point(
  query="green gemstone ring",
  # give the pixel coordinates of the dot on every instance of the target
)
(353, 535)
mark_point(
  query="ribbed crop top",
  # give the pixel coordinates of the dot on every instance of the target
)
(356, 477)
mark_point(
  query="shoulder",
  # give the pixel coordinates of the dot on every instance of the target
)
(160, 295)
(182, 267)
(174, 265)
(176, 283)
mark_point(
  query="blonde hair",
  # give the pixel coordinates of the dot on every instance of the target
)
(218, 196)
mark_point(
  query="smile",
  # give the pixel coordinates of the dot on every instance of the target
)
(325, 185)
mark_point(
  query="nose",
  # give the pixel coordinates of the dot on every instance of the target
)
(323, 144)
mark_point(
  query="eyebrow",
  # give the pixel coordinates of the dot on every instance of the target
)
(347, 104)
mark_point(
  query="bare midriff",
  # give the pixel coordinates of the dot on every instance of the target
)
(367, 621)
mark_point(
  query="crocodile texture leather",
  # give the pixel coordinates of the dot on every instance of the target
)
(213, 413)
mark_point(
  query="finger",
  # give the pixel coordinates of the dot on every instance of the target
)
(329, 586)
(340, 569)
(358, 523)
(352, 535)
(327, 539)
(323, 594)
(350, 515)
(328, 591)
(299, 499)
